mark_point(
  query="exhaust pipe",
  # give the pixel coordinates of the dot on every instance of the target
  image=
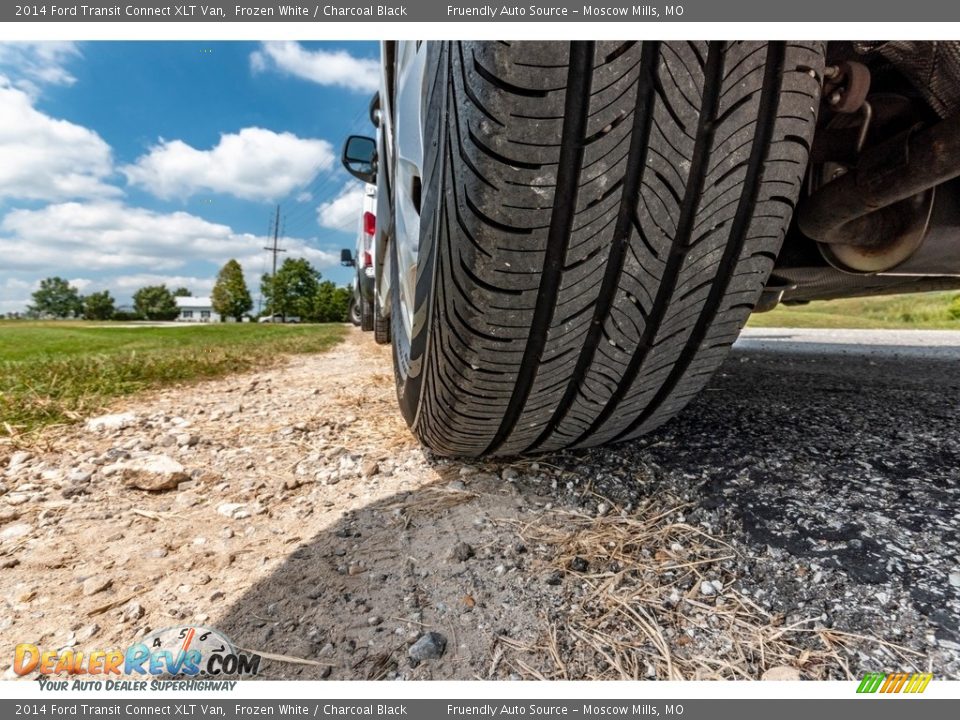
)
(876, 217)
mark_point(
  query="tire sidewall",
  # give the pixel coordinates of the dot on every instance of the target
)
(410, 352)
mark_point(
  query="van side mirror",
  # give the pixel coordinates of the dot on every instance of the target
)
(360, 158)
(346, 258)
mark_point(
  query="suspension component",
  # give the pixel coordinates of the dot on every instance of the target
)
(883, 210)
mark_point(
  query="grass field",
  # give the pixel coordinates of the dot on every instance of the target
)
(54, 372)
(928, 311)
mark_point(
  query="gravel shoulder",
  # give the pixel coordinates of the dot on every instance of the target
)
(799, 519)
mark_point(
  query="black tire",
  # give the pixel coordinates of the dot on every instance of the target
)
(353, 312)
(381, 326)
(366, 315)
(598, 221)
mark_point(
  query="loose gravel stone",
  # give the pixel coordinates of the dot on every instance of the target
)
(132, 611)
(97, 584)
(462, 552)
(235, 511)
(710, 588)
(152, 473)
(13, 532)
(87, 633)
(430, 646)
(18, 459)
(782, 673)
(116, 421)
(79, 476)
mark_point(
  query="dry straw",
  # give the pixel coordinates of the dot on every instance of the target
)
(641, 610)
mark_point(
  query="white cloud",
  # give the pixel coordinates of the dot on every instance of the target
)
(253, 164)
(110, 235)
(81, 284)
(343, 212)
(324, 67)
(106, 235)
(124, 248)
(33, 64)
(15, 294)
(48, 159)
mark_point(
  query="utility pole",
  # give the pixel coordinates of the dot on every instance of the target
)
(274, 250)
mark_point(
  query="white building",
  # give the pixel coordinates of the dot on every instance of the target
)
(196, 309)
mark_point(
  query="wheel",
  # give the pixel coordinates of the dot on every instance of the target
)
(381, 326)
(353, 312)
(597, 222)
(366, 315)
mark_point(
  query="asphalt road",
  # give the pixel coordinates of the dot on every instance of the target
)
(838, 451)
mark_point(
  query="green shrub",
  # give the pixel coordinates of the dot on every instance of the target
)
(953, 310)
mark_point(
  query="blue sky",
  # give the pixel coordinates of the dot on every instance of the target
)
(131, 163)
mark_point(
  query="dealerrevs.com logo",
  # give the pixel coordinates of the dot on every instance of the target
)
(178, 652)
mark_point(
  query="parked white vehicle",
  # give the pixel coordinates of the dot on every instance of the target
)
(362, 258)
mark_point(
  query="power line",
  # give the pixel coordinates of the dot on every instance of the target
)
(311, 221)
(308, 212)
(353, 126)
(333, 233)
(319, 195)
(320, 183)
(302, 214)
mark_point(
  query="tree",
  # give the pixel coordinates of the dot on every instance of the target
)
(331, 303)
(182, 292)
(155, 302)
(293, 290)
(98, 306)
(340, 312)
(230, 296)
(56, 297)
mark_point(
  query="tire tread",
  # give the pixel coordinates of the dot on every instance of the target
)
(609, 216)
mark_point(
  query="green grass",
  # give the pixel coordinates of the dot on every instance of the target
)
(55, 372)
(927, 311)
